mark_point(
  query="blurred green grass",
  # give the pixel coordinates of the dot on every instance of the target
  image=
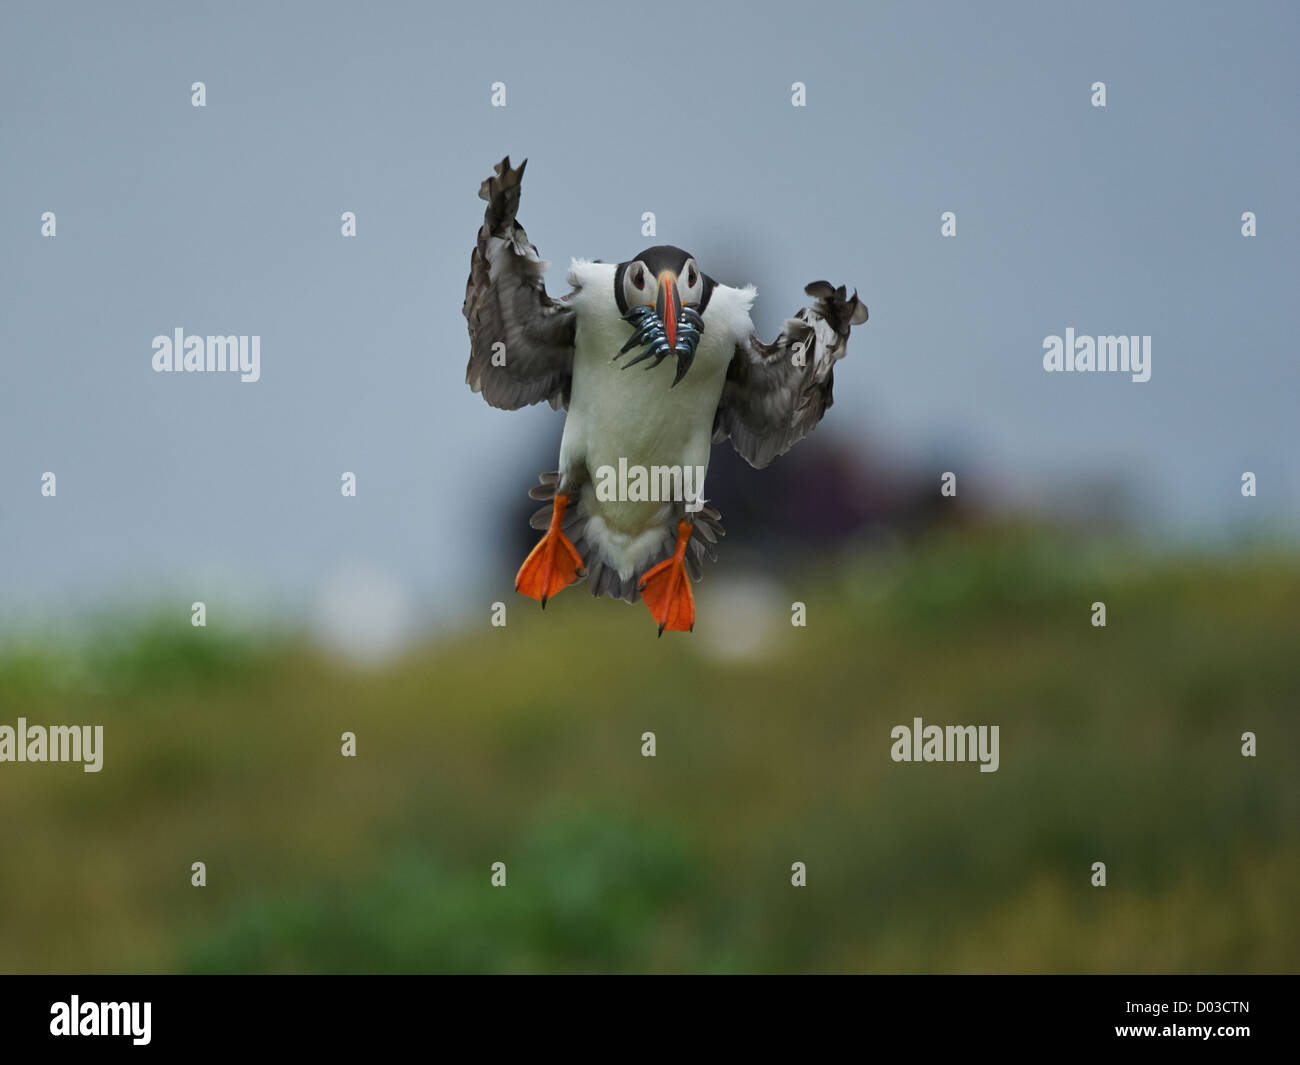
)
(522, 744)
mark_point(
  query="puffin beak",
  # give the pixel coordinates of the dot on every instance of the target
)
(667, 305)
(659, 330)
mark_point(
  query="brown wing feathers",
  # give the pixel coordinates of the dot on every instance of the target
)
(521, 340)
(775, 394)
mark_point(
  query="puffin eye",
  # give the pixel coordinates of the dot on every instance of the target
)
(638, 278)
(691, 277)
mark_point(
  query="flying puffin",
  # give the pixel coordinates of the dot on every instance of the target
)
(654, 362)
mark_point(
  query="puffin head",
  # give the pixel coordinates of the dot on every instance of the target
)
(663, 293)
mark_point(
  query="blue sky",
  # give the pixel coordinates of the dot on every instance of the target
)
(226, 220)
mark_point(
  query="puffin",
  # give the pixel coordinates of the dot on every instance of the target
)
(653, 362)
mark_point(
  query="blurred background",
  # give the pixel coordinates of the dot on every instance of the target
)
(522, 743)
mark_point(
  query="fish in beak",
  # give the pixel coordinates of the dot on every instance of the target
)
(667, 328)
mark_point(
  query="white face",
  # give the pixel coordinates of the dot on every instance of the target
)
(638, 285)
(690, 284)
(641, 287)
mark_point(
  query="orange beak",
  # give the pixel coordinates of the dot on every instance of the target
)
(666, 305)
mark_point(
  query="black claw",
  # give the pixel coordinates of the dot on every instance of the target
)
(661, 628)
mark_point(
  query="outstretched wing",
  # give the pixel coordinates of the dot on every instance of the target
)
(521, 340)
(775, 394)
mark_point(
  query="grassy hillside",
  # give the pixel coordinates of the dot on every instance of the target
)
(523, 744)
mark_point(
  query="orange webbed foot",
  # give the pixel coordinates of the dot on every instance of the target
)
(553, 564)
(666, 588)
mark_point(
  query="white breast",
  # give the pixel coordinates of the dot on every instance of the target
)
(635, 415)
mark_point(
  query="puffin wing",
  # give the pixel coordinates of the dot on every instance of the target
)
(775, 394)
(521, 340)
